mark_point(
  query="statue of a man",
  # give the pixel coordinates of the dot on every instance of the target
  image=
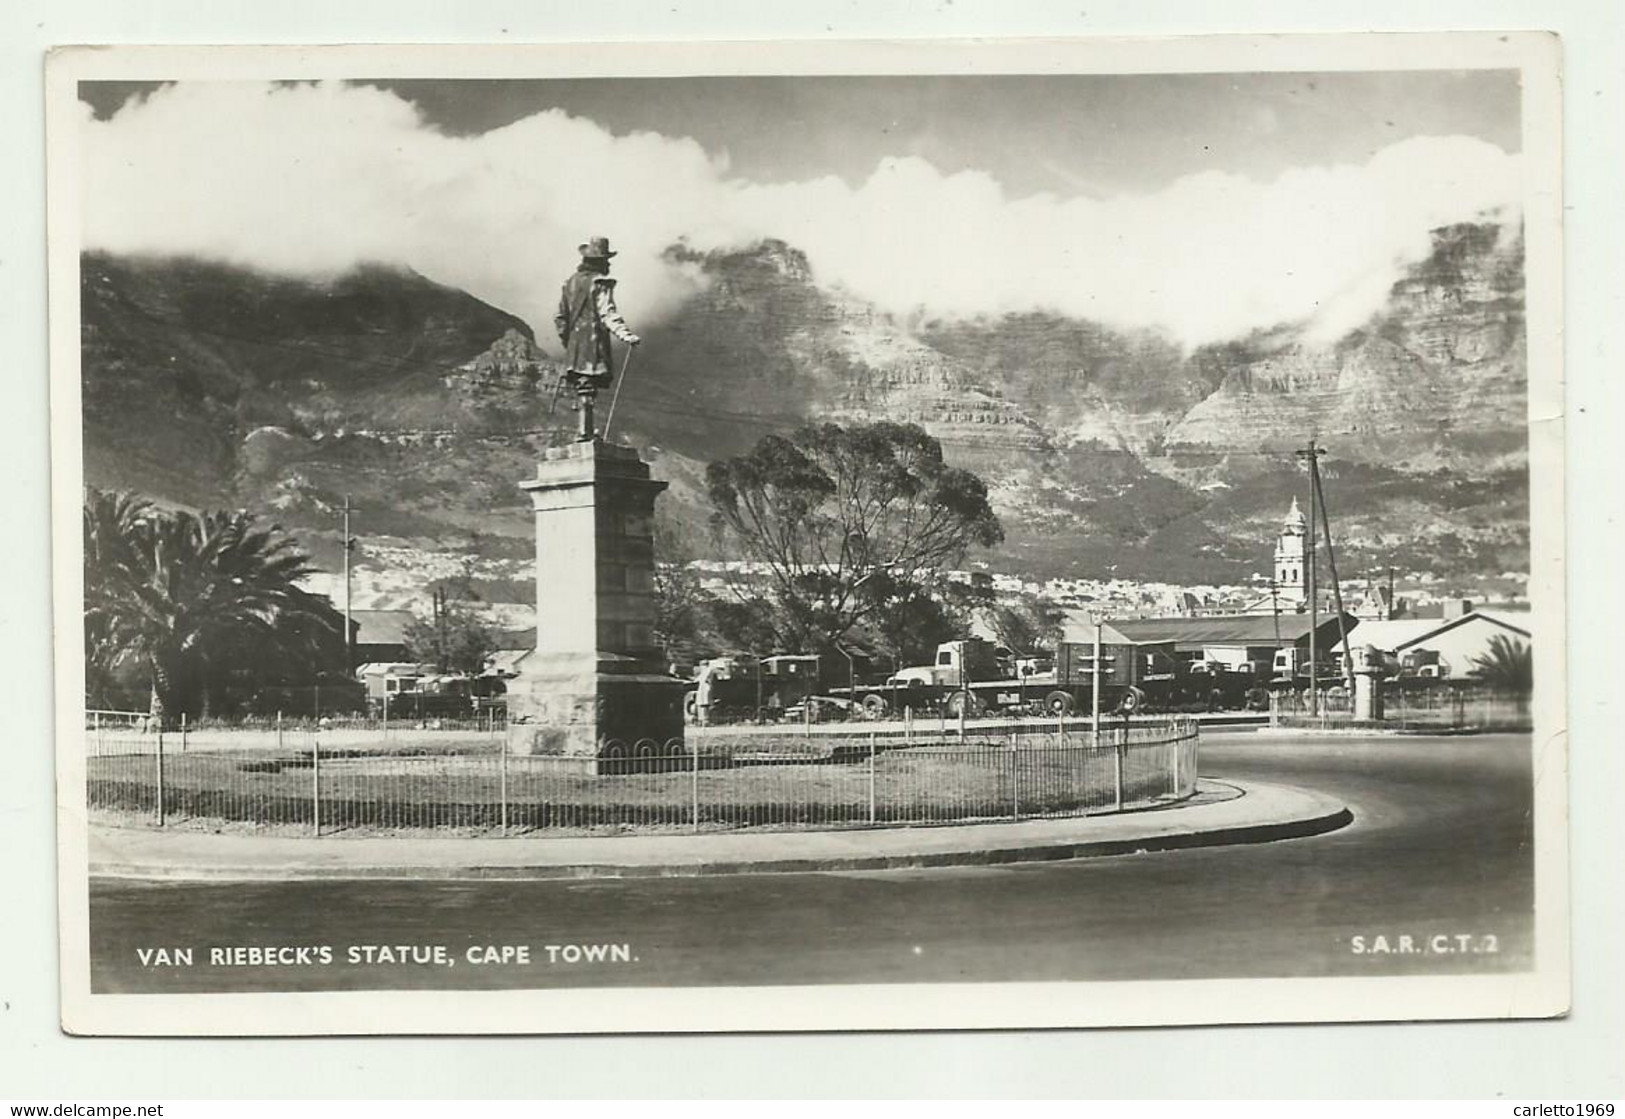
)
(586, 319)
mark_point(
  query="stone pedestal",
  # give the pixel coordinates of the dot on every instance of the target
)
(1368, 674)
(595, 686)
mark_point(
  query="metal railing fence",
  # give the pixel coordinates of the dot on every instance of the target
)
(1450, 707)
(301, 781)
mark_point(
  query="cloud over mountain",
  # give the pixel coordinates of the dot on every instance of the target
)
(313, 178)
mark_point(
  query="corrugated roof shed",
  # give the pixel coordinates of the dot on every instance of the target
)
(1224, 629)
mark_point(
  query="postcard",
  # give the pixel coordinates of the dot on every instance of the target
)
(775, 536)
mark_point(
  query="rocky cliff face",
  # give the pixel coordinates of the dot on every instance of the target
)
(1105, 447)
(1106, 451)
(1436, 380)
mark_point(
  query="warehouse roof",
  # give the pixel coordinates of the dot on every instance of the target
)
(1395, 633)
(1223, 629)
(1399, 634)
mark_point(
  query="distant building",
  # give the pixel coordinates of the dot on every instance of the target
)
(1378, 604)
(1240, 642)
(1443, 646)
(1289, 582)
(1291, 560)
(379, 636)
(505, 662)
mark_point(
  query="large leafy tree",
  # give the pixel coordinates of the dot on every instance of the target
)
(1025, 624)
(845, 522)
(456, 635)
(910, 619)
(188, 595)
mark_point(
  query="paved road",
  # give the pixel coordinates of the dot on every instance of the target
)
(1440, 850)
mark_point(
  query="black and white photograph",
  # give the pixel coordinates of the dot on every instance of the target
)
(783, 537)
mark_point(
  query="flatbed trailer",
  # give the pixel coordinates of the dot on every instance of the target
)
(1131, 677)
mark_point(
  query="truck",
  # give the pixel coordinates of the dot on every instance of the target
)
(739, 687)
(1291, 669)
(1424, 664)
(413, 691)
(970, 676)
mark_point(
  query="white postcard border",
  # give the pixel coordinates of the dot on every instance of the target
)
(1544, 991)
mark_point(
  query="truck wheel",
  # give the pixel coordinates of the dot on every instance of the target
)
(1132, 701)
(970, 705)
(1059, 703)
(875, 705)
(691, 707)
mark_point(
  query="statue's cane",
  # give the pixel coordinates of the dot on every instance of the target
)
(558, 387)
(616, 399)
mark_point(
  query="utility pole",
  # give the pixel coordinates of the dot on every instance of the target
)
(1094, 689)
(349, 631)
(1312, 456)
(1337, 586)
(440, 626)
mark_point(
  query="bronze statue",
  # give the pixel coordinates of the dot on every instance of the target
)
(586, 319)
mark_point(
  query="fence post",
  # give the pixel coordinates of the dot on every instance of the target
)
(160, 774)
(1117, 771)
(183, 732)
(316, 779)
(694, 787)
(1015, 791)
(504, 756)
(871, 777)
(279, 732)
(1177, 741)
(908, 725)
(806, 717)
(96, 722)
(964, 704)
(386, 716)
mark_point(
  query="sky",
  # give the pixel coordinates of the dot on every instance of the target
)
(1203, 206)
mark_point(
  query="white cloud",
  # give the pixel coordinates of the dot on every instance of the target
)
(315, 178)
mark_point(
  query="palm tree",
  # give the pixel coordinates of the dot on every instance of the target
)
(173, 588)
(1506, 664)
(110, 527)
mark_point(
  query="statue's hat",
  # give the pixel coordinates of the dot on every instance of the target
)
(596, 249)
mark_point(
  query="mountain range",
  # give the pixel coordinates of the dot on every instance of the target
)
(1108, 452)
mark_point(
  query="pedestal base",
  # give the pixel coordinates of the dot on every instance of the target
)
(1367, 697)
(598, 707)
